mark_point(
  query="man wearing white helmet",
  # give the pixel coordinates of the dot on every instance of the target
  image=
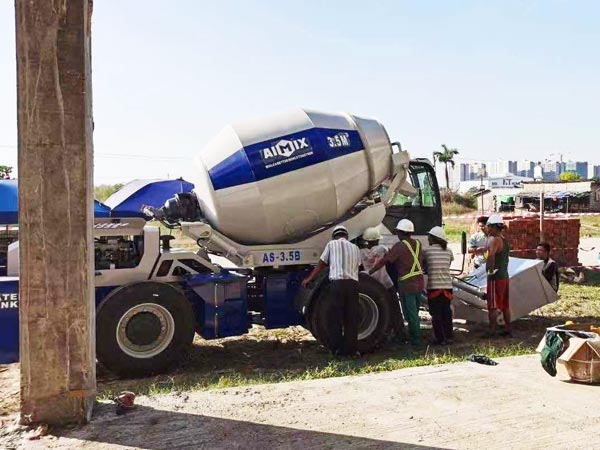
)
(372, 253)
(343, 259)
(438, 258)
(497, 273)
(407, 257)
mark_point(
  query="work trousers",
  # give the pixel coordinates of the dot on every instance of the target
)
(344, 317)
(441, 317)
(410, 307)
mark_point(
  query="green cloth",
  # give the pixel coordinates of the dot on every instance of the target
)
(551, 351)
(410, 308)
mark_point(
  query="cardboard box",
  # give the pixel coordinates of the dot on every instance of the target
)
(582, 360)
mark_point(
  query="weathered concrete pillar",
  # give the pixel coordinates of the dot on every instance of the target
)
(58, 377)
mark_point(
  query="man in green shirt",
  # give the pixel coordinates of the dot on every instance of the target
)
(497, 275)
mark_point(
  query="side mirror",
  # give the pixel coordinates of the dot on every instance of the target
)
(463, 242)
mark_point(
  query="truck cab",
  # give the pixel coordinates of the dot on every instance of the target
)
(423, 208)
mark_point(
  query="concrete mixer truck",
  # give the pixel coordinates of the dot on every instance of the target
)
(267, 194)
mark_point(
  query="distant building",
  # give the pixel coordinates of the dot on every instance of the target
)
(454, 174)
(552, 170)
(501, 182)
(595, 172)
(538, 172)
(499, 168)
(525, 168)
(465, 172)
(579, 167)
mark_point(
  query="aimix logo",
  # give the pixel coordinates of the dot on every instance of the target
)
(285, 148)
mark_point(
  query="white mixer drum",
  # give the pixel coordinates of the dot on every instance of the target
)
(275, 179)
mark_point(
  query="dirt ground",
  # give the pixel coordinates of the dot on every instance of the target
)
(274, 355)
(513, 405)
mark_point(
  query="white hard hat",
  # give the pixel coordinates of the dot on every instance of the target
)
(495, 219)
(371, 234)
(338, 230)
(405, 225)
(439, 233)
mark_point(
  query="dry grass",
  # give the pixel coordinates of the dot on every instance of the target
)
(267, 356)
(454, 209)
(590, 226)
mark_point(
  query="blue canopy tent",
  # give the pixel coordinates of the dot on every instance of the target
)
(9, 202)
(128, 201)
(100, 209)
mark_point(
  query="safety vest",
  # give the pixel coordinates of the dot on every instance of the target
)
(416, 267)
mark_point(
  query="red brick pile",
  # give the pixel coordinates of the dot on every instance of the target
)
(523, 234)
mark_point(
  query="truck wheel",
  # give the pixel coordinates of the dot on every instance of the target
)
(143, 328)
(374, 321)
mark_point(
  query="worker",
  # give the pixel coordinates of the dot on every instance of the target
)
(343, 259)
(497, 276)
(550, 268)
(438, 258)
(407, 257)
(478, 241)
(370, 254)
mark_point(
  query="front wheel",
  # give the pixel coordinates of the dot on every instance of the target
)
(143, 328)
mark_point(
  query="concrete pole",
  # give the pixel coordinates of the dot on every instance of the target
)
(56, 286)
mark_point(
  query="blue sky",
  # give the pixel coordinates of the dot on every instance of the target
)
(505, 79)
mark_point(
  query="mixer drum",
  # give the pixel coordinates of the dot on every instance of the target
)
(276, 179)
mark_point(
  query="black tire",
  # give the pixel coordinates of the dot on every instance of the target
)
(157, 329)
(375, 315)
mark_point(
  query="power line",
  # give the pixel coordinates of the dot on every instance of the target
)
(127, 156)
(146, 157)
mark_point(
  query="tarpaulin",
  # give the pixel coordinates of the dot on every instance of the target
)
(128, 201)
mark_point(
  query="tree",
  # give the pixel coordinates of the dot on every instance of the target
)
(103, 191)
(447, 157)
(569, 176)
(5, 172)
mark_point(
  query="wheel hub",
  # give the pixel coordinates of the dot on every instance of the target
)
(368, 316)
(145, 330)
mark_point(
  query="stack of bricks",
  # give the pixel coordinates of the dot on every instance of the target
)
(523, 234)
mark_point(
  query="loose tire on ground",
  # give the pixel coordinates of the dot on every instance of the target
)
(375, 315)
(143, 328)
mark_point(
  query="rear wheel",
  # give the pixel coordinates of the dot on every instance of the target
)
(143, 328)
(374, 320)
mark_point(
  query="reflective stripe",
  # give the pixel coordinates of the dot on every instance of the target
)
(416, 267)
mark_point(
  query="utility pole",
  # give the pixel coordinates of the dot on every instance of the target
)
(56, 285)
(542, 217)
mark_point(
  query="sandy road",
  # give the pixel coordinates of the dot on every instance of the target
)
(514, 405)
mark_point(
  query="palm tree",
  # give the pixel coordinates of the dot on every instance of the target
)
(447, 157)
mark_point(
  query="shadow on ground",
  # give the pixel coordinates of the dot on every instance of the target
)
(152, 429)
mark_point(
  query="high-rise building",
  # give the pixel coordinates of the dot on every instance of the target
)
(454, 174)
(595, 172)
(552, 170)
(579, 167)
(499, 168)
(525, 168)
(465, 171)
